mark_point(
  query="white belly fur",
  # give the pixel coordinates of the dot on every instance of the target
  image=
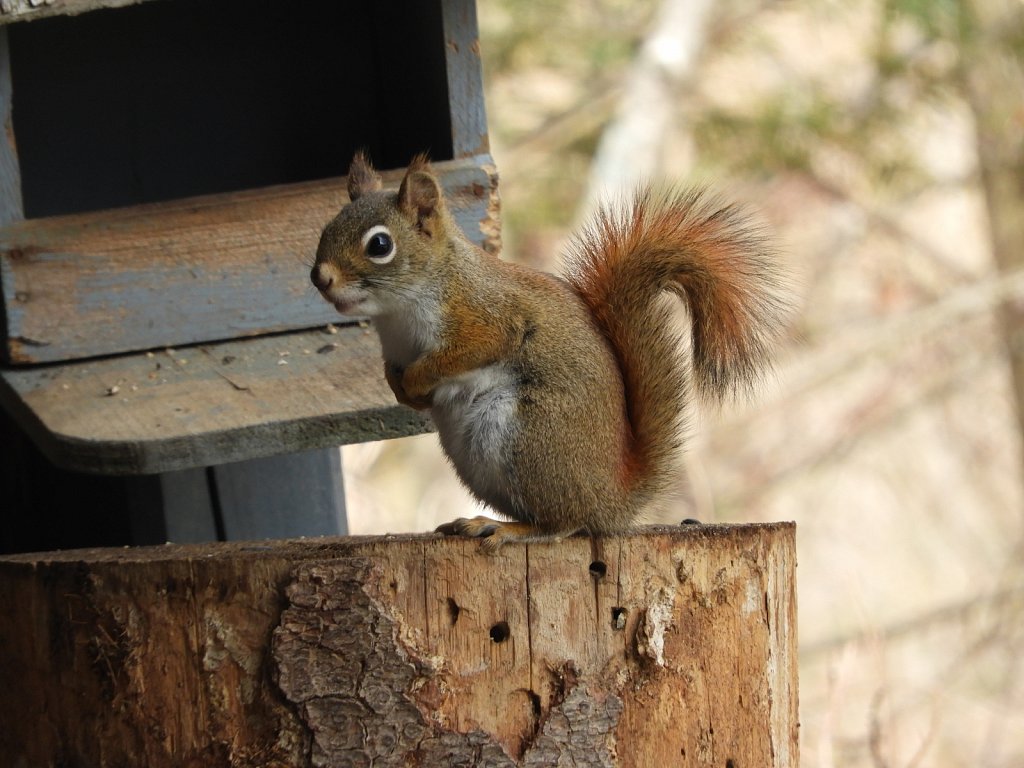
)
(475, 414)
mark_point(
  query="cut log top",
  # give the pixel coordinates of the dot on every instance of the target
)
(325, 547)
(669, 646)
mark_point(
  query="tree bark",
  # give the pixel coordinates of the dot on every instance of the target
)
(667, 647)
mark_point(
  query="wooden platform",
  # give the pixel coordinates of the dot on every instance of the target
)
(209, 404)
(27, 10)
(165, 173)
(668, 647)
(120, 285)
(185, 271)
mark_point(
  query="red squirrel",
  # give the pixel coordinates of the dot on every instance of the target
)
(559, 401)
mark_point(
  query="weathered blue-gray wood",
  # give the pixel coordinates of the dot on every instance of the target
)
(10, 176)
(299, 494)
(209, 404)
(282, 497)
(187, 271)
(190, 271)
(465, 79)
(173, 506)
(27, 10)
(187, 507)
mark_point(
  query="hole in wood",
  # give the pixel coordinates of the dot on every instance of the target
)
(535, 703)
(500, 632)
(598, 569)
(730, 763)
(453, 611)
(619, 618)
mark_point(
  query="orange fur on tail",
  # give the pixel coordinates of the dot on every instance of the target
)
(703, 252)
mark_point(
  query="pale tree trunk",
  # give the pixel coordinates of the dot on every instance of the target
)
(631, 149)
(631, 146)
(994, 84)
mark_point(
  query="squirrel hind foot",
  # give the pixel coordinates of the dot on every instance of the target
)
(493, 534)
(477, 527)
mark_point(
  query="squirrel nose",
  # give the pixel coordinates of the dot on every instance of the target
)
(320, 277)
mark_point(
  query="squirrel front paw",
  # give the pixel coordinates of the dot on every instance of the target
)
(418, 381)
(395, 376)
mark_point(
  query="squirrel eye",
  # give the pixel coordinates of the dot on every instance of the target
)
(378, 245)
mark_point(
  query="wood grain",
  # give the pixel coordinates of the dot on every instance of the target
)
(667, 647)
(465, 79)
(177, 408)
(10, 174)
(187, 271)
(28, 10)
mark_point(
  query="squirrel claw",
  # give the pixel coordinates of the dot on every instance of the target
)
(494, 534)
(479, 527)
(491, 533)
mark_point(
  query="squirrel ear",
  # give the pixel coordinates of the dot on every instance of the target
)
(420, 195)
(362, 179)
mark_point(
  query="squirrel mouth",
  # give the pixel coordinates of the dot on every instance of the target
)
(348, 306)
(345, 306)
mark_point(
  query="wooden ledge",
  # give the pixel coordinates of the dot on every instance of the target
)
(26, 10)
(670, 646)
(192, 270)
(111, 284)
(209, 404)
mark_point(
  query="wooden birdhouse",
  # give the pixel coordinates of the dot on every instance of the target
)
(167, 169)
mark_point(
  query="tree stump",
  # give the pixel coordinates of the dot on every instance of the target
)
(667, 647)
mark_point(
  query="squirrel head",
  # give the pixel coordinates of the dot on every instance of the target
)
(374, 252)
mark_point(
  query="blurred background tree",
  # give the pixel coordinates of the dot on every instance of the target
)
(882, 143)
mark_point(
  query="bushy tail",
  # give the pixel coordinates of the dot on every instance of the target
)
(687, 244)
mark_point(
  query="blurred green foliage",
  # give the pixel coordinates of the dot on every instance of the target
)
(915, 58)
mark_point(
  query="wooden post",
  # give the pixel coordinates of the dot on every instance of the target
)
(669, 647)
